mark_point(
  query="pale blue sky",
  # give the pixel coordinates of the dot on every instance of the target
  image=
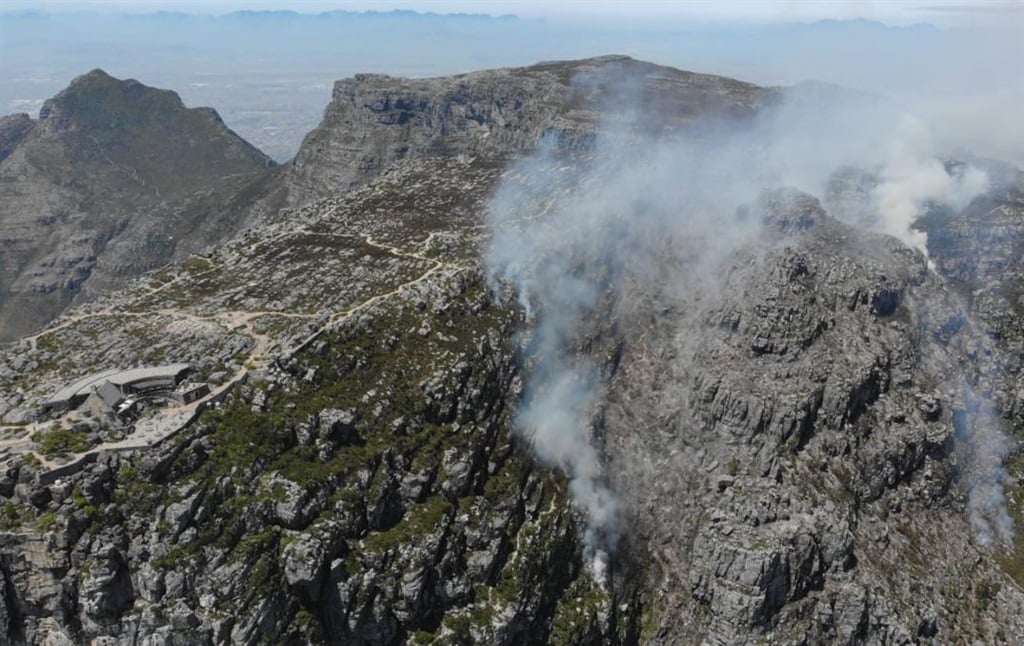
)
(972, 13)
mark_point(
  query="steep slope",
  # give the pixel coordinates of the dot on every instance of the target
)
(980, 251)
(783, 406)
(374, 121)
(806, 452)
(114, 179)
(13, 129)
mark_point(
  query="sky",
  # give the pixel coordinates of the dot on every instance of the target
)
(1001, 14)
(271, 79)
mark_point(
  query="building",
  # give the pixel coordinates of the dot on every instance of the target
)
(148, 380)
(189, 392)
(74, 394)
(104, 400)
(107, 390)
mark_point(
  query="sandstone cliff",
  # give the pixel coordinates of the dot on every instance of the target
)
(794, 433)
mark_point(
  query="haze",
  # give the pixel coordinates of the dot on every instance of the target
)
(270, 74)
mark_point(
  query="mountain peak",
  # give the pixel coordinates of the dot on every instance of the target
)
(132, 155)
(92, 75)
(98, 79)
(96, 92)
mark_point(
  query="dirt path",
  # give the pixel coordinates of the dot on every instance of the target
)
(151, 431)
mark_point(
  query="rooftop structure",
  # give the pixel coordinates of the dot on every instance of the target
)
(156, 378)
(189, 392)
(109, 394)
(124, 382)
(66, 396)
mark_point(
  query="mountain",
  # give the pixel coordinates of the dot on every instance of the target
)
(375, 121)
(13, 129)
(544, 355)
(114, 179)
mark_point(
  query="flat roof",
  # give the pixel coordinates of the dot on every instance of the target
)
(171, 371)
(68, 392)
(117, 377)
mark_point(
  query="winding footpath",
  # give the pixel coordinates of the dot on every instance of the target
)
(151, 431)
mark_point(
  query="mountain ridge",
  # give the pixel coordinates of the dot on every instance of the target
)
(93, 192)
(784, 406)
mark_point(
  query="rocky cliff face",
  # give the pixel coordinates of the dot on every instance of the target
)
(981, 251)
(787, 432)
(800, 455)
(114, 179)
(13, 129)
(117, 178)
(362, 487)
(375, 121)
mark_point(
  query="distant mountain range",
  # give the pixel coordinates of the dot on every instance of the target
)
(269, 72)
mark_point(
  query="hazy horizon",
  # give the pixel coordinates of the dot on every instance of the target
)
(270, 74)
(996, 14)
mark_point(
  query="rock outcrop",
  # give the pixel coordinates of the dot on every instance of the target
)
(13, 129)
(375, 121)
(800, 448)
(785, 433)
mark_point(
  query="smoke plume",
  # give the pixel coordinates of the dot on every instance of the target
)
(574, 226)
(983, 450)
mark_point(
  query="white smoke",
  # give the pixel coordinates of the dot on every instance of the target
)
(537, 236)
(984, 448)
(819, 130)
(913, 178)
(571, 228)
(556, 421)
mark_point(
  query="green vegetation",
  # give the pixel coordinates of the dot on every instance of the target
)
(417, 523)
(305, 628)
(503, 483)
(177, 555)
(46, 521)
(1011, 559)
(576, 616)
(374, 371)
(136, 495)
(649, 620)
(82, 503)
(302, 465)
(196, 264)
(47, 342)
(61, 442)
(460, 624)
(252, 546)
(13, 515)
(243, 437)
(160, 278)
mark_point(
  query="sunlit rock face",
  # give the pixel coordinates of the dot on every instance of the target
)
(561, 354)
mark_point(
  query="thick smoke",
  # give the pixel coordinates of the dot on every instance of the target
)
(912, 178)
(819, 130)
(575, 226)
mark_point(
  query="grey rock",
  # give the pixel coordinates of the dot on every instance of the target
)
(781, 443)
(135, 197)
